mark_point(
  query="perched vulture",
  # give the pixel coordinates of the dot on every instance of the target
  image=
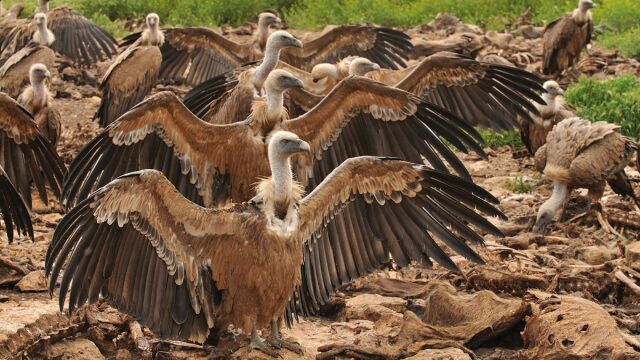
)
(534, 135)
(25, 155)
(37, 99)
(132, 75)
(227, 99)
(14, 212)
(483, 94)
(14, 73)
(581, 154)
(212, 164)
(331, 74)
(77, 38)
(188, 272)
(566, 37)
(194, 55)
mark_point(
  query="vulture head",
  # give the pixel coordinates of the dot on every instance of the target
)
(284, 144)
(545, 217)
(280, 80)
(282, 39)
(41, 20)
(324, 70)
(267, 19)
(361, 66)
(586, 5)
(38, 73)
(153, 21)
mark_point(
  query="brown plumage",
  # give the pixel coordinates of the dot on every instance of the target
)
(580, 154)
(37, 99)
(184, 270)
(534, 135)
(194, 55)
(77, 38)
(14, 73)
(566, 37)
(9, 20)
(14, 211)
(132, 75)
(25, 155)
(461, 43)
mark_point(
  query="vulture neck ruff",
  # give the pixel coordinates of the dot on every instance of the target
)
(581, 17)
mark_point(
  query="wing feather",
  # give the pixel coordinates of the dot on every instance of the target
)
(14, 211)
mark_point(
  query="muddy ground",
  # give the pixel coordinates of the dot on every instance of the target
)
(570, 294)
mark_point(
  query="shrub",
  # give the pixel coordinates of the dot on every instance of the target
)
(616, 100)
(494, 139)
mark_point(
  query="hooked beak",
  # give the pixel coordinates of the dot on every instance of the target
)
(375, 67)
(297, 146)
(592, 6)
(47, 74)
(296, 43)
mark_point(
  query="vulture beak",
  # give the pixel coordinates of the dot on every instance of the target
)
(375, 67)
(296, 43)
(47, 74)
(592, 6)
(559, 91)
(278, 22)
(297, 146)
(295, 83)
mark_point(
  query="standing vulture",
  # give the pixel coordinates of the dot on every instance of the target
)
(213, 164)
(581, 154)
(534, 135)
(14, 212)
(37, 99)
(566, 37)
(79, 39)
(483, 94)
(188, 272)
(194, 55)
(25, 155)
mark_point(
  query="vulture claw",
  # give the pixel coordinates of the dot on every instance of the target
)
(258, 344)
(280, 343)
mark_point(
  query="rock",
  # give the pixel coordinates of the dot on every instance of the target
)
(71, 74)
(596, 255)
(77, 349)
(393, 303)
(441, 354)
(632, 255)
(123, 354)
(33, 281)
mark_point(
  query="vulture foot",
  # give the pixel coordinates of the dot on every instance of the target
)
(258, 344)
(604, 223)
(280, 343)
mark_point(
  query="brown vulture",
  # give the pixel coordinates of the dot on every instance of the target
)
(483, 94)
(194, 55)
(14, 73)
(581, 154)
(37, 99)
(14, 211)
(188, 272)
(26, 155)
(534, 135)
(77, 38)
(566, 37)
(213, 163)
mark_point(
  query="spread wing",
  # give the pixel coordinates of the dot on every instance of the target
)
(14, 73)
(14, 211)
(376, 119)
(387, 47)
(25, 155)
(19, 35)
(407, 205)
(127, 81)
(138, 242)
(196, 54)
(482, 94)
(162, 134)
(79, 38)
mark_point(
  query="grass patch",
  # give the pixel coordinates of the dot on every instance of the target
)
(494, 139)
(519, 185)
(616, 100)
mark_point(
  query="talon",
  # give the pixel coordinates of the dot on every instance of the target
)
(258, 344)
(283, 344)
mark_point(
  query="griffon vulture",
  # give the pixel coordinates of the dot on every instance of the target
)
(14, 212)
(14, 73)
(486, 95)
(77, 38)
(581, 154)
(566, 37)
(534, 135)
(25, 155)
(194, 55)
(37, 99)
(188, 272)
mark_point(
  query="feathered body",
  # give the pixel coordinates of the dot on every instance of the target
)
(37, 99)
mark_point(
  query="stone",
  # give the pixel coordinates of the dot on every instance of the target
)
(33, 282)
(441, 354)
(394, 303)
(76, 349)
(632, 255)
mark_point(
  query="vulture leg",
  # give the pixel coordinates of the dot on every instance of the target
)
(258, 344)
(278, 342)
(595, 194)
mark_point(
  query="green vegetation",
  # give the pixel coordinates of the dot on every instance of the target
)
(519, 185)
(494, 139)
(619, 19)
(616, 100)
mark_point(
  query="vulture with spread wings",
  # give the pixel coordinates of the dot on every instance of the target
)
(194, 55)
(14, 211)
(25, 155)
(77, 38)
(185, 270)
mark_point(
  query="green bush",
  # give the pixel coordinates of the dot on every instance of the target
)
(616, 100)
(494, 139)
